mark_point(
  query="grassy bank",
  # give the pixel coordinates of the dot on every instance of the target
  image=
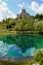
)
(16, 63)
(19, 32)
(38, 58)
(7, 32)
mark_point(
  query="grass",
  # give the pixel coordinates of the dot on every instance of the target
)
(16, 63)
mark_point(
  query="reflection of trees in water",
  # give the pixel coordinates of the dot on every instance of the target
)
(24, 41)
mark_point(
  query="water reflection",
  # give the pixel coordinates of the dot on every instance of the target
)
(30, 52)
(10, 50)
(20, 45)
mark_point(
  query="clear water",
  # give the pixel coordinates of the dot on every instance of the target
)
(20, 45)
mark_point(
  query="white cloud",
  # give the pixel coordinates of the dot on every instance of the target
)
(0, 0)
(36, 7)
(4, 4)
(21, 5)
(4, 11)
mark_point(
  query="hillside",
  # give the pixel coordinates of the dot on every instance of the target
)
(23, 22)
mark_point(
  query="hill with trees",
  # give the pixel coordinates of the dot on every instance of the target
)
(23, 22)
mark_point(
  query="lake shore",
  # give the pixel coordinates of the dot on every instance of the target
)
(13, 61)
(2, 59)
(19, 32)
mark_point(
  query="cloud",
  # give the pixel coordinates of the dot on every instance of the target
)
(21, 5)
(36, 7)
(0, 0)
(5, 11)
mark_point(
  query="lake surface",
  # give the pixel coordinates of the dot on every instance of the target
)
(20, 45)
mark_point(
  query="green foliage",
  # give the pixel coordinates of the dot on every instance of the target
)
(15, 63)
(35, 23)
(23, 25)
(39, 57)
(39, 16)
(38, 26)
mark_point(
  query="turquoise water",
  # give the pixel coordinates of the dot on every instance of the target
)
(20, 45)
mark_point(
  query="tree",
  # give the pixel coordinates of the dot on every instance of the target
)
(39, 57)
(39, 16)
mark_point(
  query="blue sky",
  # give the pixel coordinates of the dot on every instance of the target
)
(10, 8)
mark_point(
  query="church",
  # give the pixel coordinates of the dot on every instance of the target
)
(23, 14)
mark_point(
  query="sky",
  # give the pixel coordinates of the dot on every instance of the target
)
(10, 8)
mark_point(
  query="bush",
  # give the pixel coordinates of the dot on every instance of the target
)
(39, 57)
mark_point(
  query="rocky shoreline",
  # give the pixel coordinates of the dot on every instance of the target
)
(3, 59)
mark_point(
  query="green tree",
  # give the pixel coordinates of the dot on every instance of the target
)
(39, 57)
